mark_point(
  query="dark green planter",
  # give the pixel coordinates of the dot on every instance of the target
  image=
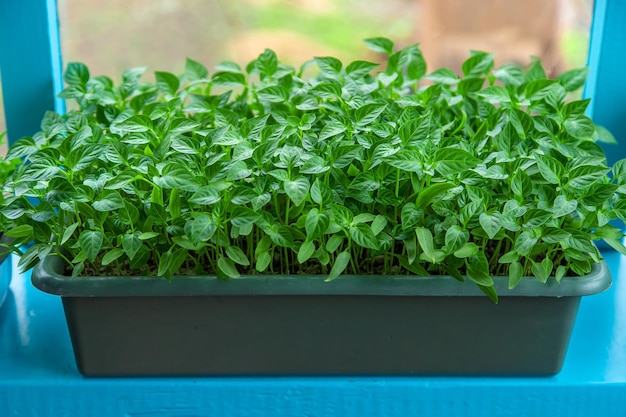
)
(300, 325)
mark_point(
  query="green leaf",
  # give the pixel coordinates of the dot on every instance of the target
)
(406, 160)
(491, 223)
(316, 223)
(378, 224)
(195, 70)
(603, 135)
(307, 249)
(69, 231)
(430, 193)
(382, 45)
(443, 76)
(562, 206)
(228, 79)
(479, 64)
(111, 256)
(358, 69)
(515, 274)
(451, 161)
(164, 263)
(131, 244)
(267, 63)
(508, 257)
(262, 261)
(467, 250)
(202, 228)
(91, 242)
(167, 82)
(524, 243)
(367, 114)
(456, 238)
(580, 127)
(109, 202)
(573, 79)
(477, 268)
(490, 292)
(331, 129)
(76, 74)
(334, 242)
(205, 196)
(543, 269)
(174, 206)
(21, 231)
(560, 273)
(341, 262)
(236, 255)
(363, 236)
(226, 268)
(297, 190)
(510, 74)
(148, 235)
(273, 94)
(425, 239)
(495, 95)
(550, 168)
(329, 65)
(585, 176)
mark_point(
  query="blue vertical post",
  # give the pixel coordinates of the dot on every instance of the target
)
(30, 63)
(606, 85)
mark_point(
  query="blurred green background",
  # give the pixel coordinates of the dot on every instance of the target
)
(114, 35)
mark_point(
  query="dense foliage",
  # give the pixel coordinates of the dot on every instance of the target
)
(356, 170)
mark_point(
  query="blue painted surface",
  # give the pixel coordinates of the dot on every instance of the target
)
(605, 84)
(38, 376)
(30, 63)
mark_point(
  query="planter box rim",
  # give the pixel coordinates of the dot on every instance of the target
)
(48, 277)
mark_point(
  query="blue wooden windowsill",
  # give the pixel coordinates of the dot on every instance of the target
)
(38, 376)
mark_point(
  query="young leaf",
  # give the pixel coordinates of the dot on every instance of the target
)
(91, 241)
(425, 239)
(573, 79)
(456, 237)
(202, 228)
(363, 236)
(76, 74)
(262, 261)
(111, 256)
(316, 223)
(297, 190)
(22, 231)
(236, 255)
(194, 70)
(167, 82)
(131, 244)
(341, 262)
(477, 268)
(550, 168)
(334, 243)
(560, 273)
(515, 274)
(491, 223)
(69, 231)
(226, 268)
(382, 45)
(307, 249)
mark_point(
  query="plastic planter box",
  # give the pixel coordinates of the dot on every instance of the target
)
(300, 325)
